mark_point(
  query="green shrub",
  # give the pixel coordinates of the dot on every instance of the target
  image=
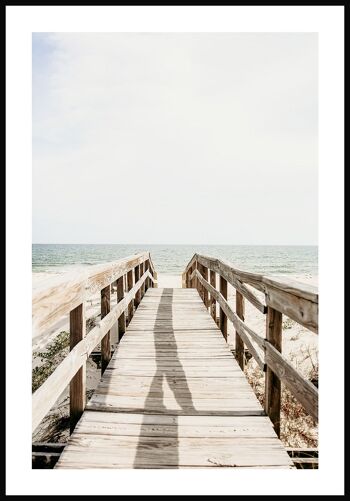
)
(50, 358)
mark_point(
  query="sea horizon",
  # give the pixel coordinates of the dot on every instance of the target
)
(172, 258)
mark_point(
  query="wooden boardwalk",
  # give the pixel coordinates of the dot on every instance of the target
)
(173, 396)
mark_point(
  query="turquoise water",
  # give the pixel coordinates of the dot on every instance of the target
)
(172, 259)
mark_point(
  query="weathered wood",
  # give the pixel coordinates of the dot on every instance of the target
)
(146, 264)
(138, 293)
(294, 287)
(77, 388)
(45, 396)
(295, 299)
(205, 292)
(56, 297)
(272, 381)
(198, 282)
(239, 343)
(302, 310)
(142, 271)
(106, 340)
(130, 280)
(223, 317)
(302, 389)
(212, 298)
(240, 326)
(121, 319)
(206, 415)
(191, 263)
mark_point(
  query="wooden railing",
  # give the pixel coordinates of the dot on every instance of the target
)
(282, 297)
(67, 295)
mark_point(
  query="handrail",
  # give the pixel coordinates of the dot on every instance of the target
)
(72, 369)
(294, 299)
(56, 297)
(283, 296)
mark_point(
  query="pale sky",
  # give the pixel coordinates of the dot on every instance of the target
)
(175, 138)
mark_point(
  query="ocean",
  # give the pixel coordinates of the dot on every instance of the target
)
(172, 259)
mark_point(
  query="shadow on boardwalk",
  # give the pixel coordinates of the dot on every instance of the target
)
(164, 451)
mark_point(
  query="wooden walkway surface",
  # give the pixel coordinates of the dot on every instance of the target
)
(173, 396)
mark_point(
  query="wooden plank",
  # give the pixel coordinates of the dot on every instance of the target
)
(302, 310)
(130, 280)
(173, 399)
(106, 340)
(205, 292)
(272, 381)
(138, 293)
(45, 396)
(303, 390)
(146, 269)
(294, 287)
(96, 451)
(239, 343)
(120, 297)
(56, 297)
(191, 263)
(142, 271)
(223, 317)
(212, 298)
(77, 388)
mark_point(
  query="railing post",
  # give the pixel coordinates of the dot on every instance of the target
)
(205, 292)
(193, 280)
(199, 285)
(129, 287)
(272, 382)
(212, 299)
(121, 319)
(106, 340)
(239, 342)
(77, 387)
(223, 317)
(138, 293)
(147, 279)
(142, 271)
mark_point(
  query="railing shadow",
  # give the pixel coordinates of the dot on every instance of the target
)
(165, 451)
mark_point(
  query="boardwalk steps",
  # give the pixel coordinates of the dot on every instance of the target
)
(173, 396)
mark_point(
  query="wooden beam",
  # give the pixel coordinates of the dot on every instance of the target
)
(106, 340)
(223, 317)
(77, 387)
(146, 269)
(302, 389)
(138, 293)
(239, 343)
(55, 297)
(121, 319)
(130, 280)
(142, 271)
(205, 292)
(302, 310)
(272, 381)
(212, 298)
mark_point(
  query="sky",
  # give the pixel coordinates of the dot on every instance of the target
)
(175, 138)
